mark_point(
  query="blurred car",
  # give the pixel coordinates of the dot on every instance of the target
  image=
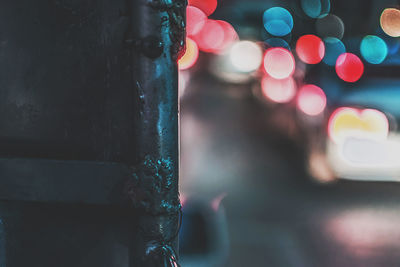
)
(359, 131)
(203, 238)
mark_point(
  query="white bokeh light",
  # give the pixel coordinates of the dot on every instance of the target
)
(246, 56)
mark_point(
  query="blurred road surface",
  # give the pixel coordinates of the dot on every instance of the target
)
(277, 215)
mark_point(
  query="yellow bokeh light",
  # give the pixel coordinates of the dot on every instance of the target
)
(390, 22)
(190, 56)
(346, 122)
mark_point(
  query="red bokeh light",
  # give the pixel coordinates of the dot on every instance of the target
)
(211, 36)
(279, 63)
(230, 35)
(311, 100)
(349, 67)
(207, 6)
(279, 91)
(310, 49)
(215, 36)
(195, 20)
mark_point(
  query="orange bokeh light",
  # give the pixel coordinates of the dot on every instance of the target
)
(390, 22)
(191, 55)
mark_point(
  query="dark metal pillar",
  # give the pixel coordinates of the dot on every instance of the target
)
(154, 186)
(89, 132)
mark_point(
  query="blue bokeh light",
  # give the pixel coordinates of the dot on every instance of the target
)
(373, 49)
(278, 21)
(277, 42)
(316, 8)
(333, 49)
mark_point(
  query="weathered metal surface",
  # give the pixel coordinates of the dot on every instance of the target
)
(153, 188)
(63, 181)
(67, 90)
(89, 115)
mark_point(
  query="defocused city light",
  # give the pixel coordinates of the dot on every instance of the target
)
(311, 100)
(367, 151)
(373, 49)
(279, 63)
(230, 36)
(316, 8)
(350, 122)
(349, 67)
(246, 56)
(211, 37)
(278, 21)
(195, 20)
(191, 55)
(393, 44)
(207, 6)
(390, 22)
(310, 49)
(277, 42)
(216, 36)
(279, 91)
(364, 232)
(330, 26)
(222, 67)
(366, 159)
(319, 168)
(333, 49)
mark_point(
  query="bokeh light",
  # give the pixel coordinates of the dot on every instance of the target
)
(222, 68)
(191, 55)
(279, 91)
(195, 20)
(278, 21)
(311, 100)
(390, 22)
(316, 8)
(330, 26)
(349, 67)
(207, 6)
(350, 122)
(333, 49)
(230, 36)
(211, 37)
(277, 42)
(393, 44)
(279, 63)
(373, 49)
(310, 49)
(246, 56)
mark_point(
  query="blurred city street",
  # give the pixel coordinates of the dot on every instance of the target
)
(277, 215)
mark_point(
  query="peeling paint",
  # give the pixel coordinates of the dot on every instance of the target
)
(149, 188)
(176, 11)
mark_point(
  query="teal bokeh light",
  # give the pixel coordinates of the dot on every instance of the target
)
(278, 21)
(333, 49)
(316, 8)
(277, 42)
(373, 49)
